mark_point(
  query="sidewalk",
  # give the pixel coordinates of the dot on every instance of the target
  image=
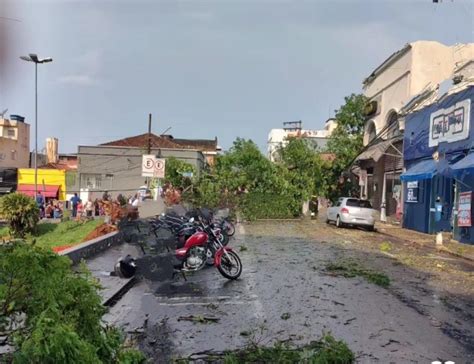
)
(450, 246)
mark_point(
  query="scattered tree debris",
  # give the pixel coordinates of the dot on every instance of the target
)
(385, 246)
(325, 350)
(350, 268)
(243, 248)
(199, 319)
(285, 316)
(391, 341)
(350, 320)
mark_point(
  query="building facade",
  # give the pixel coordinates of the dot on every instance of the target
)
(278, 138)
(14, 142)
(417, 67)
(51, 182)
(116, 166)
(439, 176)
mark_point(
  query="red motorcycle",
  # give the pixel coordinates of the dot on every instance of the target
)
(197, 250)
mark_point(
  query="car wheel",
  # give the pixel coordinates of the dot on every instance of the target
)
(327, 220)
(339, 223)
(371, 228)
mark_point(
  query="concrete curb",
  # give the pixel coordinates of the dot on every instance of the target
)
(92, 247)
(443, 249)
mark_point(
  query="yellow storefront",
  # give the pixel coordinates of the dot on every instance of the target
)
(51, 182)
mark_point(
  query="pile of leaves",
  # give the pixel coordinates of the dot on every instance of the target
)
(51, 314)
(100, 230)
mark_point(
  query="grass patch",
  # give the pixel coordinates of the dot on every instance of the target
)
(51, 235)
(350, 269)
(65, 233)
(327, 350)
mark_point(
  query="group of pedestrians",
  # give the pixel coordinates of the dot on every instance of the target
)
(90, 208)
(53, 208)
(49, 209)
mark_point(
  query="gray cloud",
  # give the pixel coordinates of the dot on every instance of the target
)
(209, 68)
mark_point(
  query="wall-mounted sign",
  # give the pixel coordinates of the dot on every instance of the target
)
(412, 191)
(464, 209)
(152, 166)
(451, 124)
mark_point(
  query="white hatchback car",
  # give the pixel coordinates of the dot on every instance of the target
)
(352, 211)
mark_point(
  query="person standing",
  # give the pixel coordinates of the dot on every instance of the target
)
(39, 199)
(135, 200)
(40, 203)
(74, 202)
(80, 209)
(89, 207)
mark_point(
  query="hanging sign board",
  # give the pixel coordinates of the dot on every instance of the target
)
(464, 209)
(412, 191)
(152, 166)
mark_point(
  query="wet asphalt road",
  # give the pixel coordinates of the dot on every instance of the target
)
(283, 293)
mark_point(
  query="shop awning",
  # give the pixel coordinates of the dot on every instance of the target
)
(464, 167)
(46, 190)
(375, 152)
(424, 169)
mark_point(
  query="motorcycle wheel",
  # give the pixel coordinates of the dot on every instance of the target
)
(230, 266)
(228, 227)
(225, 238)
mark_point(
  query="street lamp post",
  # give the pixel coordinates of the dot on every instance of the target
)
(34, 58)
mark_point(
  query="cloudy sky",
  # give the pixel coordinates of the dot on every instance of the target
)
(222, 68)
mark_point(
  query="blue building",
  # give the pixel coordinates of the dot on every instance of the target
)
(439, 176)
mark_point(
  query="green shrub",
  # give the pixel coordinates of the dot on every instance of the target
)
(256, 205)
(21, 212)
(58, 311)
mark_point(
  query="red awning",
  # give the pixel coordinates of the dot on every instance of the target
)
(46, 190)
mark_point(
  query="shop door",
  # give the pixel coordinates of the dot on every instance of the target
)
(444, 188)
(392, 192)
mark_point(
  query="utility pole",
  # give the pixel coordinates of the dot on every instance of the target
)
(149, 133)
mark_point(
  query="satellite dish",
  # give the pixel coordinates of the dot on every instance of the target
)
(2, 114)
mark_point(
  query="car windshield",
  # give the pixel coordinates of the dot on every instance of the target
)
(353, 202)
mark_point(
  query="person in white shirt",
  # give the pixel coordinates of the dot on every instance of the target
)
(135, 201)
(89, 207)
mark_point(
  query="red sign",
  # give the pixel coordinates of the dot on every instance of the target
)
(464, 209)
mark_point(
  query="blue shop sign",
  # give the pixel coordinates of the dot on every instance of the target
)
(443, 126)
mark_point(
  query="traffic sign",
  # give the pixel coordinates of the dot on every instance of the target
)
(152, 166)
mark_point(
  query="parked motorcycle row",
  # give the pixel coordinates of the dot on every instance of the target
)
(198, 239)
